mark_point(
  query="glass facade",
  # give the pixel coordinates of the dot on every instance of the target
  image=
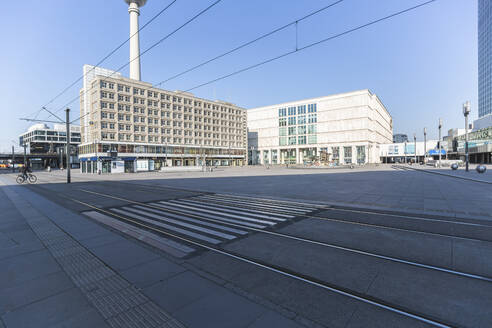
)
(295, 118)
(347, 155)
(484, 57)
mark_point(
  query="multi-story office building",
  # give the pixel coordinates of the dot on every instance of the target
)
(340, 129)
(41, 139)
(150, 128)
(46, 145)
(399, 137)
(484, 64)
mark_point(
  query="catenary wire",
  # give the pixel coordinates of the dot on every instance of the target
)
(237, 48)
(148, 49)
(303, 48)
(249, 42)
(104, 58)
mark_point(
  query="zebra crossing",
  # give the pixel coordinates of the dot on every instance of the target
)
(211, 219)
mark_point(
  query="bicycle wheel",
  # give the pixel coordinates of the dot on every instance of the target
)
(32, 178)
(20, 179)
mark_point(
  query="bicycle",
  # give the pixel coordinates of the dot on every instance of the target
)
(29, 177)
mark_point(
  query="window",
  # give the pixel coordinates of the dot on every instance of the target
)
(301, 119)
(347, 154)
(336, 154)
(312, 139)
(104, 115)
(282, 122)
(282, 131)
(292, 140)
(311, 129)
(312, 108)
(302, 140)
(301, 129)
(312, 118)
(301, 109)
(282, 112)
(292, 130)
(292, 111)
(292, 120)
(111, 126)
(104, 125)
(361, 154)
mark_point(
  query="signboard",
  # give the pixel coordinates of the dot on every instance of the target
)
(482, 134)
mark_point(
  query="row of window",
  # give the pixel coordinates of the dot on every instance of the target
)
(293, 110)
(293, 120)
(164, 96)
(136, 109)
(299, 140)
(292, 130)
(175, 140)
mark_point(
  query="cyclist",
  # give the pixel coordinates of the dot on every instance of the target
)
(25, 170)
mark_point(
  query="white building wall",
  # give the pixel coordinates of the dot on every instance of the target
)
(350, 119)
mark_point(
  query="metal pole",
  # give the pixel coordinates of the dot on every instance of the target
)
(466, 111)
(25, 161)
(415, 145)
(13, 159)
(440, 125)
(405, 152)
(425, 145)
(68, 144)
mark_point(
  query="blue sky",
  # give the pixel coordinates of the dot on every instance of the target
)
(423, 65)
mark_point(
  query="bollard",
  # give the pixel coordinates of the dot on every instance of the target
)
(481, 168)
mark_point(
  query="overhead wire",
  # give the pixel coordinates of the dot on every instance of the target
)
(313, 44)
(338, 35)
(242, 45)
(148, 49)
(103, 59)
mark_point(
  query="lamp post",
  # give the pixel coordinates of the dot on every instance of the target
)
(425, 145)
(415, 146)
(439, 142)
(405, 152)
(466, 111)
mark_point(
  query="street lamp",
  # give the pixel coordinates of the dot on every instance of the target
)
(405, 152)
(439, 142)
(466, 111)
(425, 145)
(415, 146)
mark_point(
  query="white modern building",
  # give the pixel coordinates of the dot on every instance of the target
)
(408, 151)
(345, 128)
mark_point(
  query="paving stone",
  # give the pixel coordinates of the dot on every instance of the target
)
(34, 290)
(152, 272)
(49, 311)
(16, 270)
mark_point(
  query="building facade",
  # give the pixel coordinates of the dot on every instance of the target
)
(149, 128)
(403, 152)
(340, 129)
(399, 137)
(484, 58)
(47, 146)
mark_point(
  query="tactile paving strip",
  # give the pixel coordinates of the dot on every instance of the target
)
(121, 304)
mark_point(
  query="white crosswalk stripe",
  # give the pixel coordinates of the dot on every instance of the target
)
(212, 219)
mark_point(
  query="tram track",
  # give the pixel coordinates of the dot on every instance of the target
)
(282, 271)
(271, 206)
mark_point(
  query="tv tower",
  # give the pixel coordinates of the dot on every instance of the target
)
(134, 12)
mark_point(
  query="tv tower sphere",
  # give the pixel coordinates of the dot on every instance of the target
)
(134, 12)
